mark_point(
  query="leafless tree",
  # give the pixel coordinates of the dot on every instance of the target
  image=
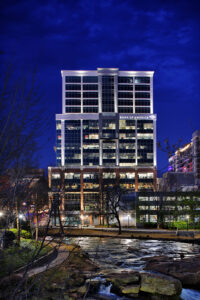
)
(112, 203)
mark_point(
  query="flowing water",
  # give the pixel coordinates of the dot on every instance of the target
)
(113, 253)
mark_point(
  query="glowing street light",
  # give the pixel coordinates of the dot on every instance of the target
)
(21, 216)
(128, 216)
(1, 214)
(81, 217)
(187, 217)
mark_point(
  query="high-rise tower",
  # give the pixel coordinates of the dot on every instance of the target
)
(106, 135)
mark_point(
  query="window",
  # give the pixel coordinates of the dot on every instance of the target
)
(109, 175)
(90, 95)
(142, 87)
(75, 87)
(55, 176)
(125, 110)
(72, 109)
(125, 102)
(124, 87)
(90, 102)
(73, 102)
(72, 94)
(142, 95)
(90, 79)
(90, 109)
(72, 79)
(142, 102)
(72, 176)
(125, 79)
(142, 110)
(125, 95)
(91, 87)
(142, 80)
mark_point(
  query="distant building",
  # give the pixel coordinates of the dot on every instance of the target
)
(177, 181)
(106, 135)
(184, 168)
(167, 207)
(187, 158)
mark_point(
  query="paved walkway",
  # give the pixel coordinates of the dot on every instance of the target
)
(63, 254)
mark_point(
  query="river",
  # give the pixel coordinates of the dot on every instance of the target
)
(112, 253)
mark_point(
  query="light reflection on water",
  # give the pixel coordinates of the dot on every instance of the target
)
(129, 253)
(113, 253)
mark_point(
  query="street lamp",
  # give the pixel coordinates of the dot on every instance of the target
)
(128, 219)
(187, 217)
(1, 214)
(21, 216)
(81, 217)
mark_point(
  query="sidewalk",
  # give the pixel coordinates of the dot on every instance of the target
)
(63, 254)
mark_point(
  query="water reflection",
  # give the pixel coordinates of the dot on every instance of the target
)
(129, 253)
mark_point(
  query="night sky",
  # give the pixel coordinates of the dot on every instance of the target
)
(163, 36)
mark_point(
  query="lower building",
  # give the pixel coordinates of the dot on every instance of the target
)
(165, 207)
(81, 190)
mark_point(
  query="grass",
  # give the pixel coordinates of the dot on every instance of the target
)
(17, 256)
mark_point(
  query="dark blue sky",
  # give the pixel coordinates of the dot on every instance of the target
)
(163, 36)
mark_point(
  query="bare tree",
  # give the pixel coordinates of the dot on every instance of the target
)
(22, 122)
(112, 203)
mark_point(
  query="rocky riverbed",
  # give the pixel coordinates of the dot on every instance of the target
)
(133, 268)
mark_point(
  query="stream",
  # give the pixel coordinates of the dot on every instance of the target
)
(113, 253)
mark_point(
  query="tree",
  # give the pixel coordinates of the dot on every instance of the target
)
(38, 200)
(112, 204)
(21, 124)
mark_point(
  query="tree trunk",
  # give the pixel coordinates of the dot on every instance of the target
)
(36, 227)
(119, 224)
(61, 225)
(18, 223)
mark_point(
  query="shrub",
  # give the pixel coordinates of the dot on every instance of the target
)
(150, 225)
(24, 233)
(8, 238)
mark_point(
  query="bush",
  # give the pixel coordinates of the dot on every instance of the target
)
(24, 233)
(8, 239)
(150, 225)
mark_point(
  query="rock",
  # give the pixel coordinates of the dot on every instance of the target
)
(157, 258)
(131, 289)
(186, 270)
(123, 277)
(82, 290)
(160, 284)
(93, 285)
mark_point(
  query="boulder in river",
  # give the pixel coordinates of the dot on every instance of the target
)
(160, 284)
(186, 270)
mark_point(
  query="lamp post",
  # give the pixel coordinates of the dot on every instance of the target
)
(82, 217)
(187, 221)
(128, 219)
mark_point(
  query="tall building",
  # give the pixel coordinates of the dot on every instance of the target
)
(187, 160)
(106, 135)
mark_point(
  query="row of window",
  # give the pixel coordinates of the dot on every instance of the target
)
(107, 95)
(107, 79)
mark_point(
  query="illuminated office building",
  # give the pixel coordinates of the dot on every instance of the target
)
(106, 135)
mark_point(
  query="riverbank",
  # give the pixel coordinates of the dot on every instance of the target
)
(184, 236)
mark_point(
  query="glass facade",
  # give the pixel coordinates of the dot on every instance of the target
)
(104, 137)
(108, 94)
(73, 142)
(145, 142)
(127, 135)
(58, 143)
(90, 142)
